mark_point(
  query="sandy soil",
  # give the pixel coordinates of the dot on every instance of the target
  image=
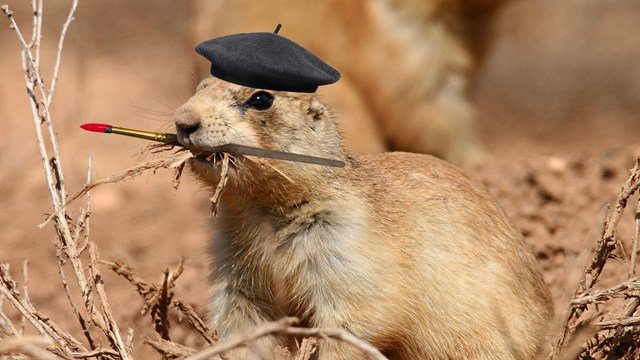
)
(558, 115)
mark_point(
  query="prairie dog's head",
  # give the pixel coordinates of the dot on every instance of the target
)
(221, 112)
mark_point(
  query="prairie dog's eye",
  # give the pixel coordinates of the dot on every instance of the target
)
(260, 100)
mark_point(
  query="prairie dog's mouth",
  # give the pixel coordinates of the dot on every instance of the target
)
(209, 157)
(215, 160)
(211, 167)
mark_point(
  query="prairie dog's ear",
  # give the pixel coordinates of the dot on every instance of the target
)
(316, 109)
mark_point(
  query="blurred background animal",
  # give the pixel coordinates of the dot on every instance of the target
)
(405, 64)
(451, 77)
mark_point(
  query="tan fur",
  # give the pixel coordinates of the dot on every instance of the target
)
(405, 64)
(403, 250)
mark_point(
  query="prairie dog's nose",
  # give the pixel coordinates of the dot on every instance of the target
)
(187, 122)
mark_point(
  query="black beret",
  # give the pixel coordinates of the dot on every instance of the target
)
(266, 60)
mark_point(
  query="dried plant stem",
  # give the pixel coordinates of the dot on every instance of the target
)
(338, 334)
(113, 333)
(67, 242)
(633, 304)
(630, 321)
(634, 247)
(44, 326)
(13, 298)
(6, 326)
(307, 348)
(35, 83)
(156, 297)
(260, 331)
(25, 292)
(609, 242)
(169, 348)
(83, 322)
(61, 39)
(605, 247)
(97, 353)
(283, 327)
(195, 321)
(620, 290)
(215, 199)
(55, 183)
(32, 346)
(173, 162)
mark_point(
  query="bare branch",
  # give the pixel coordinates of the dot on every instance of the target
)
(13, 25)
(621, 290)
(307, 348)
(338, 334)
(55, 184)
(195, 321)
(169, 162)
(42, 324)
(630, 321)
(32, 346)
(38, 10)
(169, 349)
(605, 247)
(634, 247)
(113, 330)
(56, 67)
(283, 327)
(609, 241)
(69, 251)
(65, 285)
(97, 353)
(25, 292)
(215, 199)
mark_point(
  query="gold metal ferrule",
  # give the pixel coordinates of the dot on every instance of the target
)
(141, 134)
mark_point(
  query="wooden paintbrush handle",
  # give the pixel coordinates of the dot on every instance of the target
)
(172, 139)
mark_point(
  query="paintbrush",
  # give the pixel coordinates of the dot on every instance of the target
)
(237, 149)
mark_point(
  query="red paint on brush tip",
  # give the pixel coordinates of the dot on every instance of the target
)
(102, 128)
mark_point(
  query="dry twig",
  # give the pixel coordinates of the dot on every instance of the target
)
(584, 296)
(111, 329)
(70, 250)
(215, 199)
(157, 301)
(169, 349)
(64, 342)
(307, 348)
(194, 320)
(283, 327)
(32, 346)
(173, 162)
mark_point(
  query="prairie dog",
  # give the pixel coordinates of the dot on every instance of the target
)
(403, 250)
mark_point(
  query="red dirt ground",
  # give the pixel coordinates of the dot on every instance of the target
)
(557, 111)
